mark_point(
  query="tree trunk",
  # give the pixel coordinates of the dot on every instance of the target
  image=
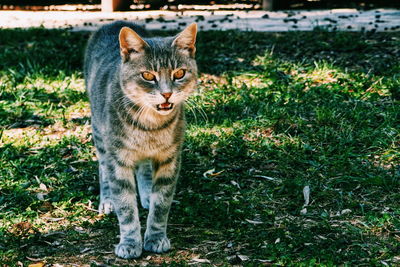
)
(268, 5)
(114, 5)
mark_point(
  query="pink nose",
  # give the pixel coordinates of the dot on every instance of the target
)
(166, 95)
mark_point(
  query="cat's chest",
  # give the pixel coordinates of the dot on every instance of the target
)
(149, 144)
(148, 141)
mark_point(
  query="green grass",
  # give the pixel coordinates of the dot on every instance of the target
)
(273, 113)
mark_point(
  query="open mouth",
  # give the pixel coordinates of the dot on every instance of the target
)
(165, 106)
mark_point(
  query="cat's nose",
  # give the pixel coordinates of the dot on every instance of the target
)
(166, 95)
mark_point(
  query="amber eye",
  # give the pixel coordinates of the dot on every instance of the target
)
(148, 76)
(179, 74)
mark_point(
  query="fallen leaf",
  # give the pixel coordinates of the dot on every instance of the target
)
(254, 222)
(200, 260)
(217, 173)
(306, 194)
(80, 230)
(85, 250)
(263, 261)
(303, 211)
(53, 219)
(40, 196)
(345, 211)
(212, 173)
(243, 257)
(34, 259)
(23, 228)
(209, 172)
(38, 264)
(269, 178)
(384, 263)
(43, 187)
(235, 184)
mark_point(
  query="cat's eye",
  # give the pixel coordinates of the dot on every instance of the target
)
(179, 74)
(148, 76)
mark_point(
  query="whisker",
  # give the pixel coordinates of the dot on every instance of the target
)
(192, 103)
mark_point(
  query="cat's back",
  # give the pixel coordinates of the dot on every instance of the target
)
(102, 51)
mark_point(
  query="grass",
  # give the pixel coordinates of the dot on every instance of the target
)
(274, 113)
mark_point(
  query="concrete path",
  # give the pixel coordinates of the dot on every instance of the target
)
(335, 19)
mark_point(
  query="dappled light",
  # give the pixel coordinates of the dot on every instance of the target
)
(273, 113)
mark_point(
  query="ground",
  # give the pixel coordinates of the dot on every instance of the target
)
(291, 154)
(213, 18)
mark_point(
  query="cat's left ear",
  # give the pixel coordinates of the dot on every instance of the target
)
(186, 40)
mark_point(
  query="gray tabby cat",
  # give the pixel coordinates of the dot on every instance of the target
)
(137, 88)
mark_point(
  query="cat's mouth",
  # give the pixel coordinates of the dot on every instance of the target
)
(165, 106)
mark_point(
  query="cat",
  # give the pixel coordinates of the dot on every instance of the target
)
(137, 86)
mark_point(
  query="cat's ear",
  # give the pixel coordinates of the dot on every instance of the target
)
(130, 41)
(186, 40)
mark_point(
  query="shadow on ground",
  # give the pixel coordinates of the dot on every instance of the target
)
(281, 111)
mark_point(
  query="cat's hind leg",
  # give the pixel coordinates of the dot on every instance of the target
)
(144, 177)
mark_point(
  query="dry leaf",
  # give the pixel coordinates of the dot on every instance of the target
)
(212, 173)
(209, 172)
(200, 260)
(43, 187)
(40, 196)
(303, 211)
(34, 259)
(254, 222)
(23, 228)
(243, 257)
(217, 173)
(85, 250)
(264, 261)
(345, 211)
(306, 193)
(269, 178)
(53, 219)
(235, 184)
(38, 264)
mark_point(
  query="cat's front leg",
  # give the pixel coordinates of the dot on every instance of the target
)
(123, 194)
(165, 178)
(105, 206)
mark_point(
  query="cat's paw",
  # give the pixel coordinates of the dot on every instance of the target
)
(157, 243)
(128, 250)
(106, 207)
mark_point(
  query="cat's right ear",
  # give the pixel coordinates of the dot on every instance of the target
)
(130, 42)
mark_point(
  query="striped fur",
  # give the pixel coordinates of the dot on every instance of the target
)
(138, 140)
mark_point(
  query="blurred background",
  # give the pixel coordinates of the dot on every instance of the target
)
(126, 5)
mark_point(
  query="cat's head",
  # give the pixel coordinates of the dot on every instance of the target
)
(158, 73)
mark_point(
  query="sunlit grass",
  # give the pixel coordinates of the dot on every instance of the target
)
(273, 113)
